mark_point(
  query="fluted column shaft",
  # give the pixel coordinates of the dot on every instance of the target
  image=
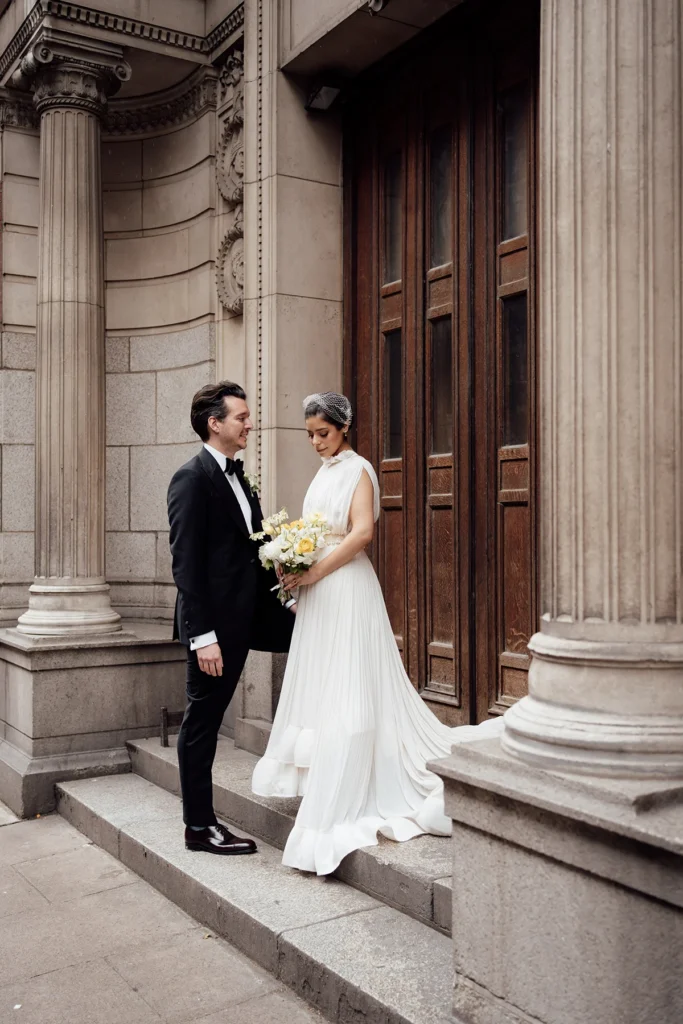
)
(69, 594)
(606, 683)
(70, 525)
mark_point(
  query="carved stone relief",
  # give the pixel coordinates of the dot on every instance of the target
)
(230, 164)
(230, 181)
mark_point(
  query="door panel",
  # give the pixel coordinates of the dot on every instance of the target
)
(440, 350)
(512, 81)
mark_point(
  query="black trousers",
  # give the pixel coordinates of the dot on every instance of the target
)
(207, 700)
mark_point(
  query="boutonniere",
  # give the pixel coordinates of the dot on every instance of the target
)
(252, 484)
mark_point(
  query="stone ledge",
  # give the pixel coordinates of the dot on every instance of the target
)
(105, 649)
(626, 832)
(345, 953)
(648, 810)
(412, 877)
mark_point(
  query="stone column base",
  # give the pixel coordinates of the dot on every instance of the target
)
(567, 894)
(612, 708)
(67, 706)
(66, 607)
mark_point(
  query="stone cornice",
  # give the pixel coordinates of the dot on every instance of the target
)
(233, 23)
(126, 28)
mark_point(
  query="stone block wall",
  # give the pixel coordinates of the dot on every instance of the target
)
(159, 201)
(150, 383)
(19, 162)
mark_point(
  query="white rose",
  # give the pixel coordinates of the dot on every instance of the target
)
(270, 550)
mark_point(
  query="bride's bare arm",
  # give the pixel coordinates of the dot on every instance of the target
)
(361, 517)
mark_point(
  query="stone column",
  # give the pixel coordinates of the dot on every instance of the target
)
(606, 682)
(70, 88)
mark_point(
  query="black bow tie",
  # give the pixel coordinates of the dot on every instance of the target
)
(234, 466)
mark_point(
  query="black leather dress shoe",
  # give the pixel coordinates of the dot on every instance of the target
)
(218, 839)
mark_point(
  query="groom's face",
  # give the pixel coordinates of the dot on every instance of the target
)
(234, 430)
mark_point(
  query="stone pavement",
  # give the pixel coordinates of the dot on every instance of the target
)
(83, 940)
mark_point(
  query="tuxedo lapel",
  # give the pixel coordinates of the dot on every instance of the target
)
(220, 482)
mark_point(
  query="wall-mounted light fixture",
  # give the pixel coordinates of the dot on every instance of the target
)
(375, 6)
(322, 96)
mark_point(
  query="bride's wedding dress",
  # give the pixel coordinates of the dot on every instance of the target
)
(351, 735)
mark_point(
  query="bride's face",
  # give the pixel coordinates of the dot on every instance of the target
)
(325, 437)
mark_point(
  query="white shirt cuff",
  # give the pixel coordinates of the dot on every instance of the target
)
(203, 641)
(288, 604)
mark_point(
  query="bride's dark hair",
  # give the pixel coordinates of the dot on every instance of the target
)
(335, 409)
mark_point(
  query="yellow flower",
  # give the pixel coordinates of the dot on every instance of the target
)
(269, 529)
(305, 546)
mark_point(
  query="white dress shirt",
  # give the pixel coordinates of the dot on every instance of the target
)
(233, 480)
(210, 638)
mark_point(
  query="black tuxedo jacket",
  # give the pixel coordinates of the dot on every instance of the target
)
(221, 583)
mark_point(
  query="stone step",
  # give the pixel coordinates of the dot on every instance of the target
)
(347, 954)
(413, 877)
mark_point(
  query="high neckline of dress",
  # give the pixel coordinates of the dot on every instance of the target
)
(341, 457)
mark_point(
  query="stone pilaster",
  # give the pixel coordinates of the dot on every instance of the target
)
(606, 683)
(70, 85)
(292, 293)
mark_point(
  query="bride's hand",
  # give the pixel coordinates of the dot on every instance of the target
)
(304, 579)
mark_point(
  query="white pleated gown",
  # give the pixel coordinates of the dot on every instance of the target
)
(351, 735)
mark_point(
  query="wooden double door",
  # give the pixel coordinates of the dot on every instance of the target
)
(440, 347)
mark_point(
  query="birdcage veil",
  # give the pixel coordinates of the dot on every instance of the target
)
(329, 403)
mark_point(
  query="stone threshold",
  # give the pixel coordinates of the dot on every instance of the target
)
(347, 954)
(413, 877)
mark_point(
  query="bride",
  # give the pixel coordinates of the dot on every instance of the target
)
(351, 735)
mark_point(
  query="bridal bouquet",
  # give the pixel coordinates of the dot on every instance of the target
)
(291, 547)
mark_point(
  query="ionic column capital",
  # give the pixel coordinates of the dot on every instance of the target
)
(67, 71)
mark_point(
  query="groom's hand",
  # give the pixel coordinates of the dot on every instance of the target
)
(210, 660)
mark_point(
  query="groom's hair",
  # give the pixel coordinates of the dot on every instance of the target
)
(210, 401)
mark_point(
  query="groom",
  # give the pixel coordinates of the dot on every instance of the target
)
(224, 605)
